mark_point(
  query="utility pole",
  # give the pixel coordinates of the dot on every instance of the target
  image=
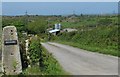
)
(26, 18)
(74, 13)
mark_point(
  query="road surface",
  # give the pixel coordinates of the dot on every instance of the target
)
(81, 62)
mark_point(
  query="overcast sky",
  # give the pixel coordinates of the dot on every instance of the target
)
(58, 8)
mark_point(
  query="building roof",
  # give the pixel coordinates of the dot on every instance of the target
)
(69, 29)
(54, 30)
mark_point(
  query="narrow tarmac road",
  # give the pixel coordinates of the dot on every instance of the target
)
(81, 62)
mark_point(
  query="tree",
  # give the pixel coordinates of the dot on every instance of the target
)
(37, 26)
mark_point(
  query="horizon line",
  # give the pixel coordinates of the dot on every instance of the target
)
(60, 14)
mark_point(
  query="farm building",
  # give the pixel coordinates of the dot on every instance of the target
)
(56, 30)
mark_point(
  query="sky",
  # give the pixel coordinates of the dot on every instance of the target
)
(58, 8)
(60, 0)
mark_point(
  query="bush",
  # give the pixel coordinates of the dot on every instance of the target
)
(35, 51)
(105, 22)
(41, 58)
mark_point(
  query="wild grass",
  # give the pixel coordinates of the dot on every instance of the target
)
(42, 62)
(102, 39)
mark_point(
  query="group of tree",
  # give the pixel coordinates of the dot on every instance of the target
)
(30, 24)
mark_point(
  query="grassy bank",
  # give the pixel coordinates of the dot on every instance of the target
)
(41, 61)
(91, 48)
(103, 39)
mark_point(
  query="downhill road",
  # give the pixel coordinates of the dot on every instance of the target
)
(81, 62)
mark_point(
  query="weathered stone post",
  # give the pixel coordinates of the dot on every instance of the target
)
(10, 51)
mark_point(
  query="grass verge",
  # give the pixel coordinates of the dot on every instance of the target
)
(106, 51)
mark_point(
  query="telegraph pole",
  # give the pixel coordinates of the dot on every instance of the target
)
(26, 18)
